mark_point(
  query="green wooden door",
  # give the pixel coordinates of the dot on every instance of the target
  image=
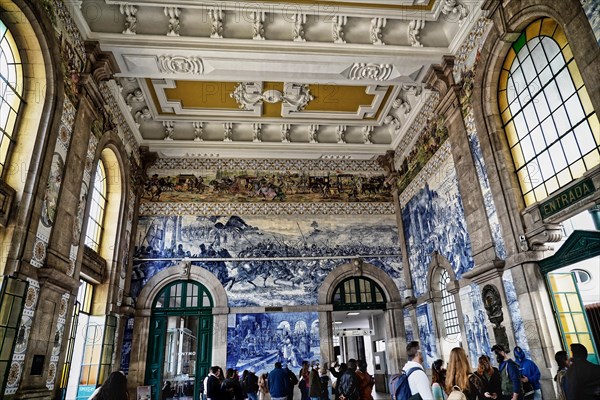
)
(156, 351)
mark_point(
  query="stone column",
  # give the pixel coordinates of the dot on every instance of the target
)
(395, 338)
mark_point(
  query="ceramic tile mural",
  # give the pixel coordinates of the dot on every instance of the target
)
(434, 221)
(256, 341)
(284, 259)
(484, 183)
(515, 312)
(408, 328)
(478, 337)
(260, 186)
(126, 347)
(427, 336)
(592, 11)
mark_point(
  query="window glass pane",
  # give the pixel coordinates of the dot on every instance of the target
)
(574, 110)
(558, 158)
(561, 121)
(552, 95)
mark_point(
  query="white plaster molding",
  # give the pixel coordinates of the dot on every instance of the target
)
(376, 34)
(227, 132)
(143, 114)
(454, 7)
(257, 132)
(370, 71)
(258, 29)
(174, 24)
(313, 131)
(337, 28)
(414, 32)
(180, 65)
(130, 12)
(367, 132)
(216, 15)
(285, 133)
(198, 131)
(340, 132)
(299, 19)
(169, 129)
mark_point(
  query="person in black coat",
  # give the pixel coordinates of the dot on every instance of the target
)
(213, 384)
(583, 377)
(348, 388)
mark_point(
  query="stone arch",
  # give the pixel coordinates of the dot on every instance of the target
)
(508, 24)
(39, 115)
(438, 262)
(358, 268)
(179, 272)
(143, 312)
(393, 316)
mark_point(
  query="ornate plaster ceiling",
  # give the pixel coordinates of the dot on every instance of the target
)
(277, 79)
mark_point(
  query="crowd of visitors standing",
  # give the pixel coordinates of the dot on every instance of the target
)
(577, 378)
(519, 379)
(352, 382)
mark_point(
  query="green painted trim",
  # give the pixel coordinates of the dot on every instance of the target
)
(519, 43)
(358, 305)
(580, 246)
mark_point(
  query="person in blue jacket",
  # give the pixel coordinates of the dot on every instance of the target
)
(529, 372)
(278, 382)
(512, 388)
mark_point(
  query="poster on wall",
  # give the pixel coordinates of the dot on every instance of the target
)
(256, 341)
(434, 221)
(275, 260)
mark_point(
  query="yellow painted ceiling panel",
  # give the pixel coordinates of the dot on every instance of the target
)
(197, 94)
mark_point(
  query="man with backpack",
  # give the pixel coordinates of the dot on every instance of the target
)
(250, 385)
(512, 388)
(348, 385)
(412, 383)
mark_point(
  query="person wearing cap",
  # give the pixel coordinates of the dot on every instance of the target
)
(529, 372)
(512, 388)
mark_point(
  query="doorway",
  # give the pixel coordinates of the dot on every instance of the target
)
(572, 277)
(180, 341)
(359, 325)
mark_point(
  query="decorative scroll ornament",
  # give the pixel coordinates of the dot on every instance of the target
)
(216, 15)
(298, 30)
(313, 134)
(180, 65)
(371, 71)
(143, 114)
(227, 132)
(454, 7)
(339, 21)
(257, 132)
(258, 29)
(130, 19)
(414, 32)
(169, 129)
(377, 25)
(174, 24)
(393, 122)
(294, 97)
(285, 133)
(198, 131)
(368, 134)
(340, 132)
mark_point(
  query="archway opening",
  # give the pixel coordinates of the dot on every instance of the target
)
(359, 324)
(180, 340)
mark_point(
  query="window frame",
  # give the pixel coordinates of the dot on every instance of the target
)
(523, 123)
(97, 211)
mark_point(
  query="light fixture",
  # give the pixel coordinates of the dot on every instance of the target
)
(337, 322)
(353, 313)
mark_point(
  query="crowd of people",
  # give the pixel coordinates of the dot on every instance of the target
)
(519, 379)
(576, 379)
(343, 381)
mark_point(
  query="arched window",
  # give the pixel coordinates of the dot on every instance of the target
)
(180, 295)
(97, 207)
(358, 293)
(551, 127)
(449, 313)
(11, 87)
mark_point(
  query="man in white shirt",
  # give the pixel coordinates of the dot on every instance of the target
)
(418, 380)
